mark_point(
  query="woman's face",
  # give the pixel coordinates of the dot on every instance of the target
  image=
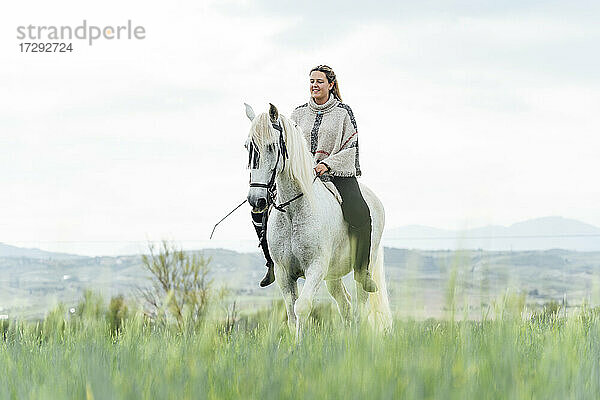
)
(319, 87)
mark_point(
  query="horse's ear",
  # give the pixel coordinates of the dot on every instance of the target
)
(249, 112)
(273, 113)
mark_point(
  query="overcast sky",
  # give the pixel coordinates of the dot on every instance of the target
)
(468, 114)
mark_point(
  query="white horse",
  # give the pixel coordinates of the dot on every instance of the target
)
(308, 237)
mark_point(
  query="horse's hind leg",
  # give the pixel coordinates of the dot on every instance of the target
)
(289, 291)
(342, 298)
(362, 297)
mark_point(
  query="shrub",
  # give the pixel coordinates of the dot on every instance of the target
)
(91, 307)
(4, 325)
(117, 313)
(180, 285)
(54, 324)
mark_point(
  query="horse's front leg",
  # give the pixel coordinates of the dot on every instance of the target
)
(289, 291)
(314, 276)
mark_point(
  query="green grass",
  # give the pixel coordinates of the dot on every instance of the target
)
(546, 357)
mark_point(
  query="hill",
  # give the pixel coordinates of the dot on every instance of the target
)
(8, 251)
(534, 234)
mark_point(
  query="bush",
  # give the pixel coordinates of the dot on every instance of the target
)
(4, 325)
(180, 285)
(91, 307)
(117, 313)
(549, 314)
(54, 324)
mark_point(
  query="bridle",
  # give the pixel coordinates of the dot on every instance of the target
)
(282, 153)
(253, 158)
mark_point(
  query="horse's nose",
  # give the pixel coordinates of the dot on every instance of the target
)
(257, 202)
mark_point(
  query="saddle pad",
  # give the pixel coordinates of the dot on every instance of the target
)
(333, 190)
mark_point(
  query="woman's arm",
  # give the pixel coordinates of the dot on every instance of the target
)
(344, 162)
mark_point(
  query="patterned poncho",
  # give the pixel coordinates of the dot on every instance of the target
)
(330, 129)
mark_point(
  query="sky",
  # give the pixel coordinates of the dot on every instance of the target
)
(469, 113)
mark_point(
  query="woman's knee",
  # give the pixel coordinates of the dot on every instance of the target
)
(357, 214)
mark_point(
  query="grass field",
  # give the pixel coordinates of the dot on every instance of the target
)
(548, 356)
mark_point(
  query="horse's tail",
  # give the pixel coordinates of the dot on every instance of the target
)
(380, 315)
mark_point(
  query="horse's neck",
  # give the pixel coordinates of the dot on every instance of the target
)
(287, 189)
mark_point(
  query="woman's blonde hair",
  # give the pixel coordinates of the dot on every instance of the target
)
(335, 90)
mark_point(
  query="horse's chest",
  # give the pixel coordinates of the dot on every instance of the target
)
(279, 234)
(289, 241)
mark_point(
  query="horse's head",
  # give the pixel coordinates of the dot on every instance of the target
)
(267, 155)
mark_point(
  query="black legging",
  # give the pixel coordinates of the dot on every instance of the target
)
(356, 213)
(354, 207)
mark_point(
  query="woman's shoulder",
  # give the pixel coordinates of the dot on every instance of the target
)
(345, 108)
(300, 110)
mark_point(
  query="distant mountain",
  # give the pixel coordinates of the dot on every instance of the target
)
(13, 251)
(534, 234)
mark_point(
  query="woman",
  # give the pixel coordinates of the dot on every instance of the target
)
(330, 129)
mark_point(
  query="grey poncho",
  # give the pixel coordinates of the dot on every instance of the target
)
(330, 129)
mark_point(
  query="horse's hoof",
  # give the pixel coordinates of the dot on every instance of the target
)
(368, 284)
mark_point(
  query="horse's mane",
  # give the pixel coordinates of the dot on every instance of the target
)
(299, 165)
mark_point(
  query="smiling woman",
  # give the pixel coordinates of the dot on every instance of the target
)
(330, 128)
(320, 87)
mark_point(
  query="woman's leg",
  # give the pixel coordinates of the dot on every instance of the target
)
(356, 213)
(259, 220)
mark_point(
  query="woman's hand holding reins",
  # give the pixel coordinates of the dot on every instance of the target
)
(321, 168)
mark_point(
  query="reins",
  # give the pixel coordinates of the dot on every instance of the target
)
(287, 203)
